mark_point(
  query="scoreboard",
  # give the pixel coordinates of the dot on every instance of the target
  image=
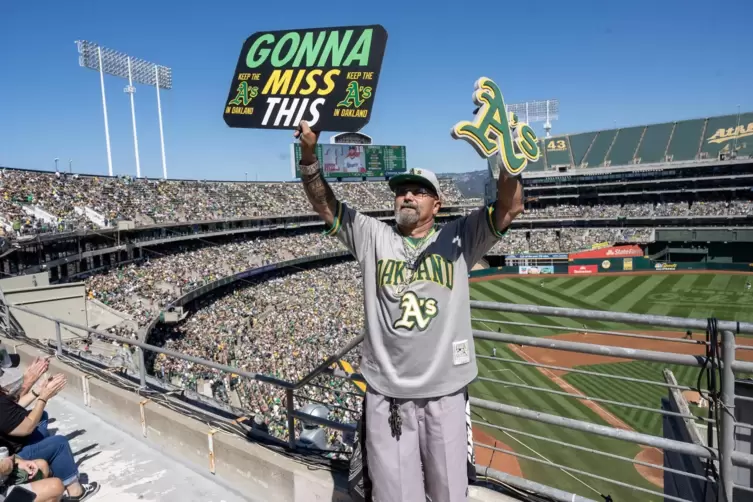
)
(354, 161)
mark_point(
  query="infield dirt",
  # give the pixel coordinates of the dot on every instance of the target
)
(572, 359)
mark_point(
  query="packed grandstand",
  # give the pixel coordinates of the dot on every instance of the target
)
(593, 188)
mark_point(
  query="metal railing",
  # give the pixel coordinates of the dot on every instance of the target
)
(721, 453)
(287, 386)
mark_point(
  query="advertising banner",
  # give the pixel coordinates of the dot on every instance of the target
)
(665, 266)
(344, 160)
(627, 264)
(582, 269)
(550, 256)
(542, 269)
(609, 252)
(326, 76)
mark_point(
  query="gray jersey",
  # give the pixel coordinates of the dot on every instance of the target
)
(418, 340)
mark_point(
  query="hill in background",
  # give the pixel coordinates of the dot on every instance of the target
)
(470, 184)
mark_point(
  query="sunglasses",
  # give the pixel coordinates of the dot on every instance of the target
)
(418, 191)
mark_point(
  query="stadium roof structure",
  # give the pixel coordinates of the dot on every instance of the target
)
(714, 138)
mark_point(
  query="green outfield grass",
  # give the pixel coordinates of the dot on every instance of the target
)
(683, 295)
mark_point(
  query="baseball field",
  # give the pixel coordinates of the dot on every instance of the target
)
(697, 295)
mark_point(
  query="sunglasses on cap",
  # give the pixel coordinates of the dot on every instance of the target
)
(418, 191)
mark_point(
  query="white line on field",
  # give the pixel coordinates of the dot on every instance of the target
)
(537, 453)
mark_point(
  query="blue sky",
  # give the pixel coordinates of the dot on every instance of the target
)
(608, 63)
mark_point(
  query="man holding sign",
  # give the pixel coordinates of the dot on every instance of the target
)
(418, 354)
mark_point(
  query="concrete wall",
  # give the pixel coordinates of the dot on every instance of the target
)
(25, 281)
(64, 301)
(243, 465)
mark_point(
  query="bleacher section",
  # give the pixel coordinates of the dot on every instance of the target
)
(580, 144)
(599, 148)
(653, 147)
(540, 164)
(624, 147)
(686, 140)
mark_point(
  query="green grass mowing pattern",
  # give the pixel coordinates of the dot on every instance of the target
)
(634, 393)
(558, 405)
(682, 295)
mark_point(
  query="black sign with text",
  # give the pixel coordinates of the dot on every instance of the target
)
(326, 76)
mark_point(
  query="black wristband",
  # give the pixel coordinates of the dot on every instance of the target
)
(34, 393)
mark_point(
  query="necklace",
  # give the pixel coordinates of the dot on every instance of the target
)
(412, 255)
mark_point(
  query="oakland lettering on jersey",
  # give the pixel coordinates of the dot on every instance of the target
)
(434, 268)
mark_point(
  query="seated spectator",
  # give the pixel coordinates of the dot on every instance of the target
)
(34, 474)
(25, 433)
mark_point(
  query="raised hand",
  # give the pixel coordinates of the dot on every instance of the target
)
(52, 387)
(308, 139)
(36, 370)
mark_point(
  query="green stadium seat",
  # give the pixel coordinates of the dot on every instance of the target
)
(597, 153)
(624, 147)
(557, 151)
(580, 143)
(728, 133)
(539, 165)
(654, 144)
(686, 140)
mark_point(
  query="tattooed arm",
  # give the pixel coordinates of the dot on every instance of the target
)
(317, 189)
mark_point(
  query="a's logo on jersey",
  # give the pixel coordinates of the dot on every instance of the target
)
(417, 312)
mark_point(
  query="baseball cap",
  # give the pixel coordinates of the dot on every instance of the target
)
(423, 177)
(8, 360)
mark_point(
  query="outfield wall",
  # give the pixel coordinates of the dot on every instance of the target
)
(612, 265)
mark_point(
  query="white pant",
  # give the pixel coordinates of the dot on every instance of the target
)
(434, 435)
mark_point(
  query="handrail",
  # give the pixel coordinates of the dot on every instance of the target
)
(723, 452)
(605, 315)
(329, 361)
(160, 350)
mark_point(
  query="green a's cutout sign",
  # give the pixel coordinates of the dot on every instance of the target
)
(494, 130)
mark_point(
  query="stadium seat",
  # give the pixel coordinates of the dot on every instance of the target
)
(597, 152)
(540, 164)
(686, 140)
(580, 143)
(624, 147)
(653, 147)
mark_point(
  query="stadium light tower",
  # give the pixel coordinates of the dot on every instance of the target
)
(103, 60)
(537, 111)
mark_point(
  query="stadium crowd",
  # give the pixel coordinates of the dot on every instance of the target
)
(566, 240)
(284, 327)
(62, 198)
(142, 289)
(659, 209)
(38, 202)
